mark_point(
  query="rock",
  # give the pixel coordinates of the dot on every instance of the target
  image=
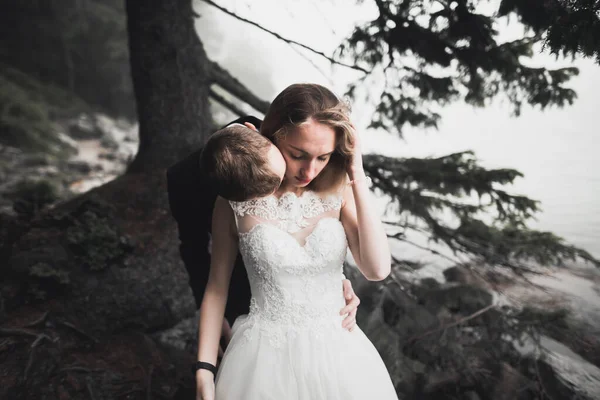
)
(80, 167)
(108, 156)
(48, 171)
(38, 160)
(380, 323)
(429, 283)
(390, 317)
(511, 385)
(80, 258)
(31, 197)
(436, 381)
(470, 395)
(464, 275)
(557, 387)
(183, 336)
(481, 276)
(459, 299)
(84, 128)
(108, 142)
(77, 263)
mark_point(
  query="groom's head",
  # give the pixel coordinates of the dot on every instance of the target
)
(242, 164)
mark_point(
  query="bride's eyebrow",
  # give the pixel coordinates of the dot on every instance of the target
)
(307, 153)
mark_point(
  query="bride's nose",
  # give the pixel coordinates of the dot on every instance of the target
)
(309, 170)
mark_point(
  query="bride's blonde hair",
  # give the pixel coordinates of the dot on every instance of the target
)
(300, 103)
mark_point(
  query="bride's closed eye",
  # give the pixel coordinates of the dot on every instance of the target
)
(322, 159)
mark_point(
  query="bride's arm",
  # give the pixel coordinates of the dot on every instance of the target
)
(212, 310)
(367, 239)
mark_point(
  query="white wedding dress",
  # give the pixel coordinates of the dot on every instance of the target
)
(291, 346)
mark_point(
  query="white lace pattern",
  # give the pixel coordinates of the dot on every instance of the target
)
(290, 212)
(295, 288)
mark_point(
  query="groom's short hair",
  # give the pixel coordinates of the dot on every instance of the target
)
(235, 160)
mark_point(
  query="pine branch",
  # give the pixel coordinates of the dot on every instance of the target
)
(400, 237)
(289, 41)
(568, 27)
(427, 188)
(431, 59)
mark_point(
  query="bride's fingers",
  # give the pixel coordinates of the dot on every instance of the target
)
(251, 126)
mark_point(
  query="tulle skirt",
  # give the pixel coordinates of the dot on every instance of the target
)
(263, 363)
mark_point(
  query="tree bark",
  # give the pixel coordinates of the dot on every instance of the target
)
(171, 79)
(105, 266)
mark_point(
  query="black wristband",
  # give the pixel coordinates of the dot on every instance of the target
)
(205, 365)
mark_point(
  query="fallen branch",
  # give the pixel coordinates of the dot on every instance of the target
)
(149, 384)
(540, 380)
(400, 238)
(17, 332)
(39, 338)
(88, 384)
(128, 392)
(38, 321)
(78, 368)
(29, 364)
(228, 82)
(226, 103)
(76, 329)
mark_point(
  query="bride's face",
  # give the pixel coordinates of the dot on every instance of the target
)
(306, 151)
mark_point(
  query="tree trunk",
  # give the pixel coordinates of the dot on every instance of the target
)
(104, 268)
(171, 79)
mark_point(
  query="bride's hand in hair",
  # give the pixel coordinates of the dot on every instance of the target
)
(355, 166)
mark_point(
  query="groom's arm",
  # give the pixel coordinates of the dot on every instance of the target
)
(191, 201)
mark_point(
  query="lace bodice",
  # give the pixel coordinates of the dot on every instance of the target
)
(289, 212)
(293, 248)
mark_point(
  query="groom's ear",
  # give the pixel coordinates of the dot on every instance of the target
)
(251, 126)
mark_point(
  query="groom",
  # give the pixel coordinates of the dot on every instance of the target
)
(191, 200)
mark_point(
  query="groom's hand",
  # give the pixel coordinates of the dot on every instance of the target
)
(352, 302)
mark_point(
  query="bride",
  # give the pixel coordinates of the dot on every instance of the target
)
(292, 344)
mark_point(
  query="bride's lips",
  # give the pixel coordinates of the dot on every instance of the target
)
(302, 180)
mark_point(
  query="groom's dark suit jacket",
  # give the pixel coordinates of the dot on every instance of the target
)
(191, 199)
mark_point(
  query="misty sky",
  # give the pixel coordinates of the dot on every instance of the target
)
(555, 149)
